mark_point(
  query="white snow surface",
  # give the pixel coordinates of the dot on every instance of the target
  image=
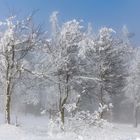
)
(35, 128)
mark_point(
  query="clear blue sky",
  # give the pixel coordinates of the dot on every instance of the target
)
(110, 13)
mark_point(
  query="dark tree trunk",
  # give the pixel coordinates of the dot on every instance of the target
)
(135, 115)
(102, 102)
(63, 101)
(7, 96)
(62, 115)
(7, 109)
(9, 84)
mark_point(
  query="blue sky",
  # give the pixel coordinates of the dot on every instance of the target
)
(110, 13)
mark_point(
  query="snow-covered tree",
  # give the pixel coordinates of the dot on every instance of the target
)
(16, 40)
(63, 56)
(133, 83)
(103, 66)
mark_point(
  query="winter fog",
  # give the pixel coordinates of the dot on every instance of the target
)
(67, 80)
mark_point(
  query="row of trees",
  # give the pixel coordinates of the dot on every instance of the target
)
(66, 69)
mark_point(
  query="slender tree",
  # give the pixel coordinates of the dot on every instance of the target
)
(16, 40)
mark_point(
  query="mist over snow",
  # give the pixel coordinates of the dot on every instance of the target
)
(68, 81)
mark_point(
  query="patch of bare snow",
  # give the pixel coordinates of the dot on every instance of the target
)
(35, 128)
(10, 132)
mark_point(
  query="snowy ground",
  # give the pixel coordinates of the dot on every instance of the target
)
(35, 128)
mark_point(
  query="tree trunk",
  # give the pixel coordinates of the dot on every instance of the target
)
(62, 102)
(8, 101)
(10, 59)
(7, 109)
(62, 116)
(135, 116)
(102, 102)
